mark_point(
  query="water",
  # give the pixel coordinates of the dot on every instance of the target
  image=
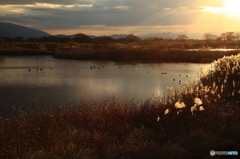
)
(64, 82)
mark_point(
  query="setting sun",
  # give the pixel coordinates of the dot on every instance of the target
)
(230, 8)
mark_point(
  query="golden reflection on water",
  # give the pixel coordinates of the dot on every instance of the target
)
(69, 80)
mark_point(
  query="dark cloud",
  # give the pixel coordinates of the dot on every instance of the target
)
(4, 2)
(103, 12)
(132, 3)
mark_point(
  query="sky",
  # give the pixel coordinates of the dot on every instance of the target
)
(138, 17)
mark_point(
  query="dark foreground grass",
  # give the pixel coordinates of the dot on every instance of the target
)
(188, 123)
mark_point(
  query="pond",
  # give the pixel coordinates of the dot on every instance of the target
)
(42, 80)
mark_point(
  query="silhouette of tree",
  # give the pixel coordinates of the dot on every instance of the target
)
(237, 37)
(228, 36)
(209, 38)
(182, 37)
(102, 42)
(2, 40)
(82, 38)
(132, 38)
(19, 39)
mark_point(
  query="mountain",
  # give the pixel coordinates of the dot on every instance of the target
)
(116, 36)
(13, 30)
(72, 36)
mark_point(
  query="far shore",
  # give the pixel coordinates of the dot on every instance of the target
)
(129, 54)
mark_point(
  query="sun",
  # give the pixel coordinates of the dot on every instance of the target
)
(230, 8)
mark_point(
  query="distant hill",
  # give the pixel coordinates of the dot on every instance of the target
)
(13, 30)
(172, 35)
(72, 36)
(116, 36)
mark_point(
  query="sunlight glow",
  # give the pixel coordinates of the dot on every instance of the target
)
(49, 5)
(16, 8)
(231, 8)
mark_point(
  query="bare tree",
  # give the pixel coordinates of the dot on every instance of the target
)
(228, 36)
(209, 37)
(237, 37)
(182, 37)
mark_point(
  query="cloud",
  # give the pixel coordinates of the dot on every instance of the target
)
(71, 14)
(23, 2)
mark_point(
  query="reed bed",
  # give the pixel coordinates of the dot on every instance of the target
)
(20, 52)
(116, 51)
(146, 54)
(187, 123)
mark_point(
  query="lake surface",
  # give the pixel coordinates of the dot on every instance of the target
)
(48, 81)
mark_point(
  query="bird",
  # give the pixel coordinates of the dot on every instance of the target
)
(29, 70)
(91, 67)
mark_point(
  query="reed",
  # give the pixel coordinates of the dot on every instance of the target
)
(146, 54)
(187, 123)
(24, 52)
(116, 51)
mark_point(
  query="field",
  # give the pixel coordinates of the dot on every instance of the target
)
(187, 123)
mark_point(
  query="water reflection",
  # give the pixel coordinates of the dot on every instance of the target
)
(65, 81)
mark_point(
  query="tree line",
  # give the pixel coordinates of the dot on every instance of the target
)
(226, 39)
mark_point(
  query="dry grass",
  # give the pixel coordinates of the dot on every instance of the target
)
(156, 52)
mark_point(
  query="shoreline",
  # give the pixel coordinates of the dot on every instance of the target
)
(128, 55)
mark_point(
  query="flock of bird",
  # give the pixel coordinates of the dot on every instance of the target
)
(38, 69)
(120, 66)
